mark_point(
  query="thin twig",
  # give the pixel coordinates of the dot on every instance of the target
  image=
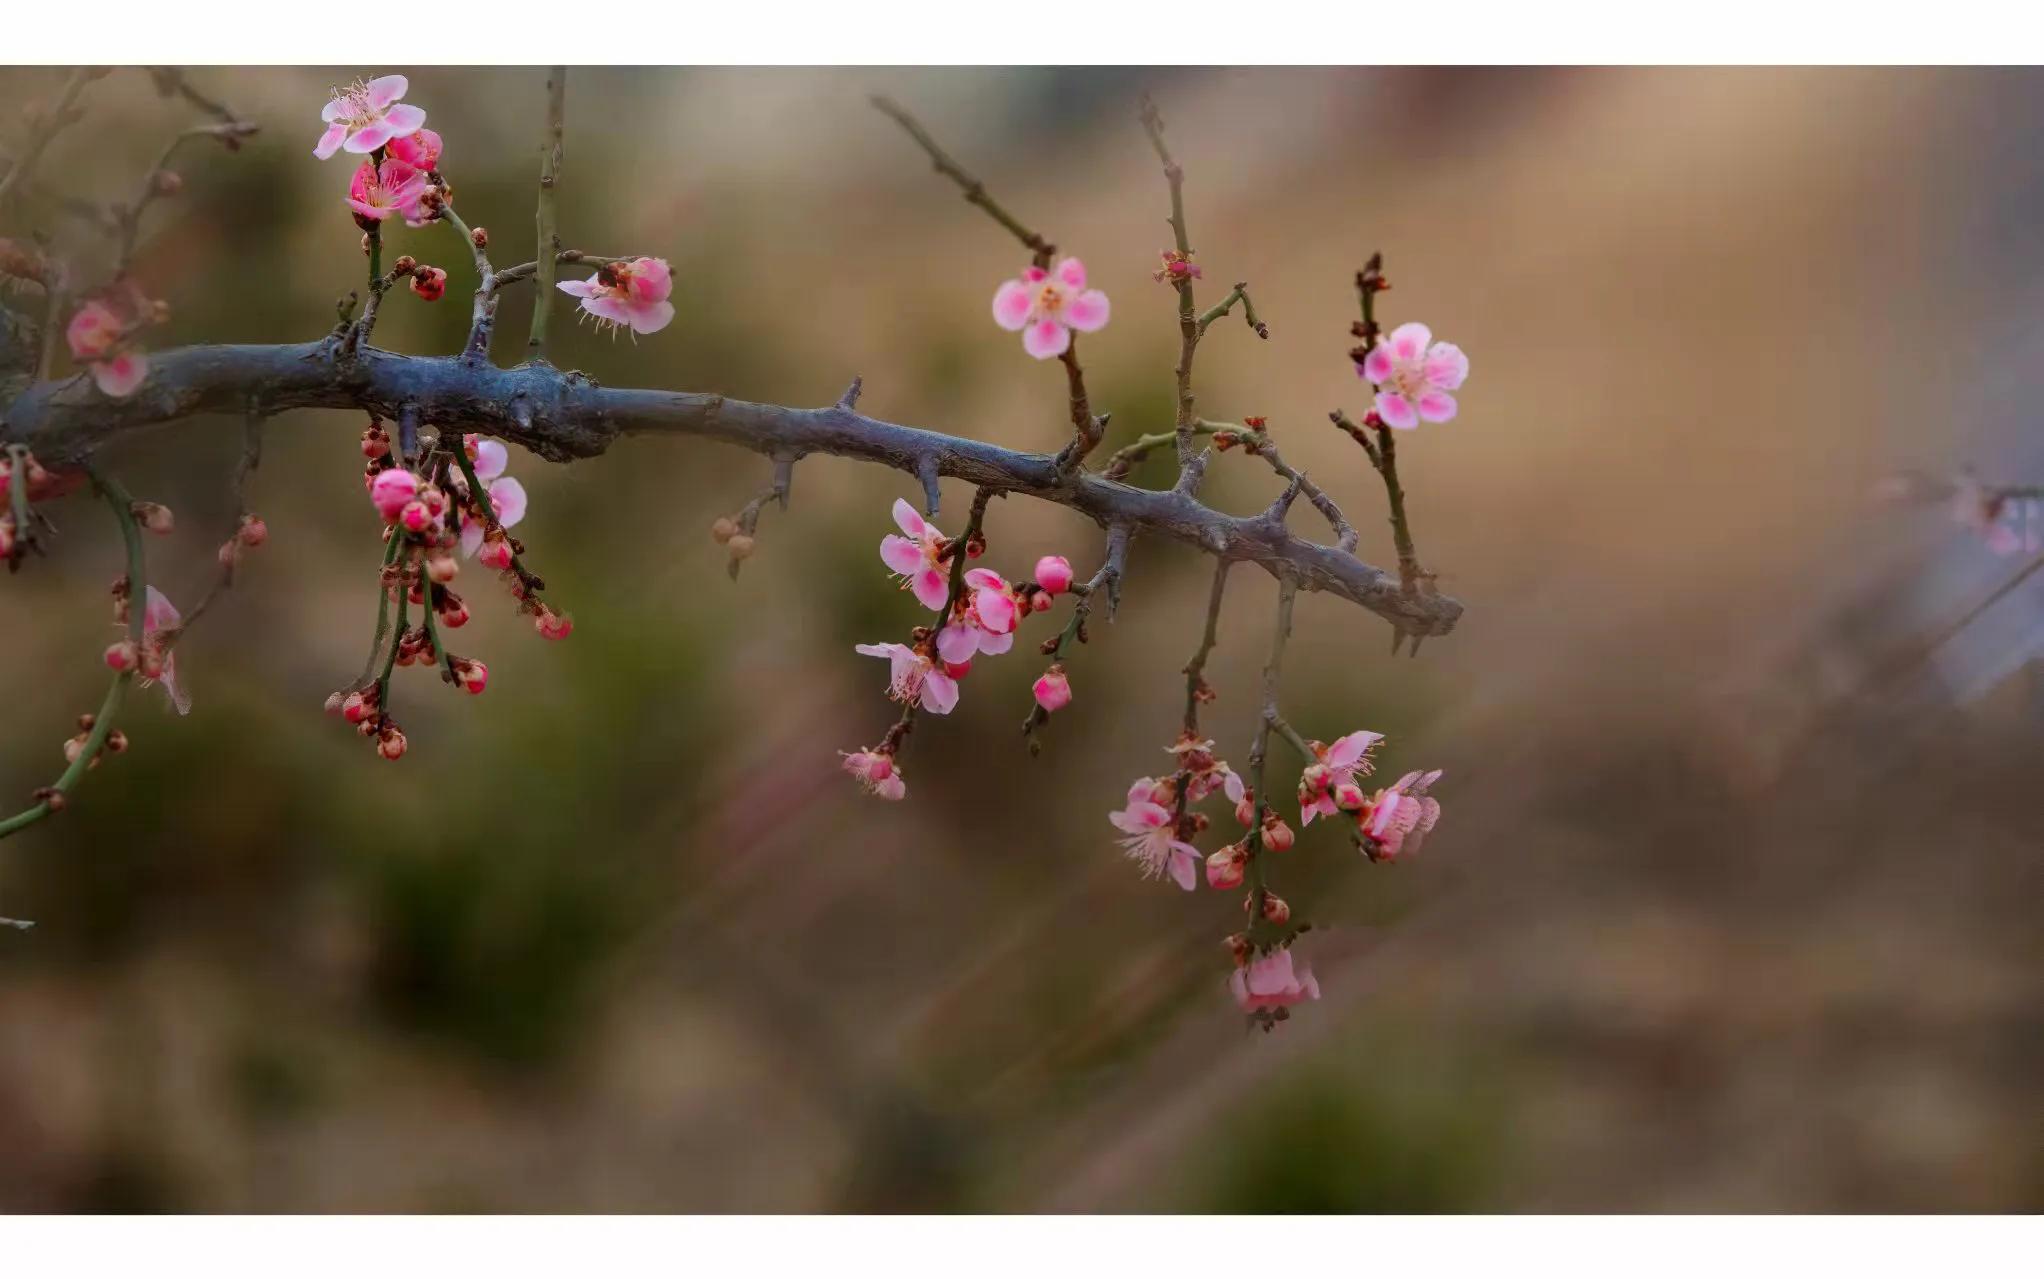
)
(975, 191)
(547, 241)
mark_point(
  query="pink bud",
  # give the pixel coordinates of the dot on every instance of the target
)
(1348, 796)
(958, 670)
(441, 567)
(471, 675)
(1040, 601)
(453, 612)
(1054, 574)
(392, 491)
(1277, 836)
(552, 625)
(1225, 868)
(121, 656)
(156, 518)
(1053, 691)
(496, 553)
(253, 532)
(415, 517)
(390, 743)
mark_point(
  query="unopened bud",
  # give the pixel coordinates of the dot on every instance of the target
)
(121, 656)
(1275, 910)
(390, 743)
(405, 264)
(165, 182)
(155, 517)
(430, 283)
(253, 532)
(740, 546)
(723, 529)
(1277, 836)
(480, 237)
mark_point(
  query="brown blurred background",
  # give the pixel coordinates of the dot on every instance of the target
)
(1731, 908)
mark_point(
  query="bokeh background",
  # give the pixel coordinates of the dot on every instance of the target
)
(1735, 903)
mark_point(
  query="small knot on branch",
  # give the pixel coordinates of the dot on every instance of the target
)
(849, 401)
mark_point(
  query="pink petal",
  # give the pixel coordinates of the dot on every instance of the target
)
(580, 288)
(876, 650)
(374, 212)
(930, 588)
(1446, 366)
(333, 110)
(939, 694)
(996, 611)
(471, 538)
(956, 643)
(1346, 751)
(121, 375)
(158, 613)
(605, 307)
(985, 579)
(1437, 406)
(1409, 342)
(910, 521)
(367, 138)
(1184, 861)
(1377, 365)
(330, 141)
(1071, 272)
(994, 645)
(507, 499)
(901, 555)
(404, 119)
(1012, 303)
(1046, 339)
(180, 698)
(648, 317)
(386, 89)
(1396, 410)
(491, 459)
(1088, 311)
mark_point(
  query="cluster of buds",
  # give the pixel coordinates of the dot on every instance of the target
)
(1251, 440)
(876, 772)
(1178, 267)
(249, 533)
(116, 742)
(730, 534)
(1370, 282)
(363, 707)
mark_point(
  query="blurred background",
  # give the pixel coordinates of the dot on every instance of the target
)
(1734, 906)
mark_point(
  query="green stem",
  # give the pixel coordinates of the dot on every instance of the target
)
(1257, 877)
(123, 506)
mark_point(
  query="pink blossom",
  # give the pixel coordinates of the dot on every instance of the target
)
(1396, 819)
(1413, 375)
(876, 772)
(914, 558)
(1047, 305)
(1270, 982)
(120, 375)
(421, 149)
(914, 679)
(1204, 774)
(629, 294)
(1053, 691)
(1054, 574)
(1151, 841)
(396, 187)
(159, 615)
(1324, 786)
(363, 117)
(391, 491)
(507, 502)
(1226, 867)
(95, 329)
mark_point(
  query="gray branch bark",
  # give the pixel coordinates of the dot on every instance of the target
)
(566, 415)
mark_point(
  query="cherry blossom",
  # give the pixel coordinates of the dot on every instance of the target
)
(1047, 305)
(376, 192)
(914, 558)
(421, 149)
(1413, 374)
(877, 773)
(631, 294)
(914, 679)
(1325, 785)
(1150, 841)
(1271, 982)
(1396, 819)
(1054, 574)
(1052, 690)
(507, 500)
(363, 117)
(98, 337)
(158, 664)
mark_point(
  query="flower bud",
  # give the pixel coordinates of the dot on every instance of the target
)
(740, 546)
(229, 553)
(442, 567)
(1225, 867)
(253, 532)
(1054, 574)
(390, 743)
(1053, 691)
(1277, 836)
(471, 675)
(165, 182)
(333, 703)
(495, 553)
(958, 670)
(480, 237)
(415, 517)
(121, 656)
(1275, 910)
(430, 283)
(1348, 796)
(116, 742)
(392, 491)
(155, 517)
(375, 443)
(405, 264)
(723, 529)
(453, 613)
(551, 625)
(1040, 601)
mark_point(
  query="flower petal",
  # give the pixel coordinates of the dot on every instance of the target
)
(1046, 339)
(1184, 864)
(386, 89)
(120, 376)
(580, 288)
(1396, 410)
(931, 590)
(939, 693)
(648, 317)
(957, 643)
(366, 139)
(330, 141)
(1071, 272)
(1012, 304)
(1409, 342)
(507, 499)
(994, 645)
(1446, 367)
(1088, 311)
(404, 119)
(491, 459)
(1377, 365)
(901, 555)
(910, 521)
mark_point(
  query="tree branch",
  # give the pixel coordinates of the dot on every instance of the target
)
(563, 415)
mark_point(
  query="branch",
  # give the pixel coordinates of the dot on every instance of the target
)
(548, 241)
(975, 190)
(44, 129)
(563, 415)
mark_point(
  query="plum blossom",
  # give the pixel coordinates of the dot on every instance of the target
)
(507, 495)
(630, 294)
(1329, 785)
(1047, 305)
(983, 621)
(376, 192)
(159, 665)
(1052, 690)
(421, 150)
(391, 491)
(1272, 982)
(99, 339)
(913, 678)
(1151, 840)
(1413, 374)
(1054, 574)
(1205, 774)
(877, 773)
(363, 117)
(915, 558)
(1396, 819)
